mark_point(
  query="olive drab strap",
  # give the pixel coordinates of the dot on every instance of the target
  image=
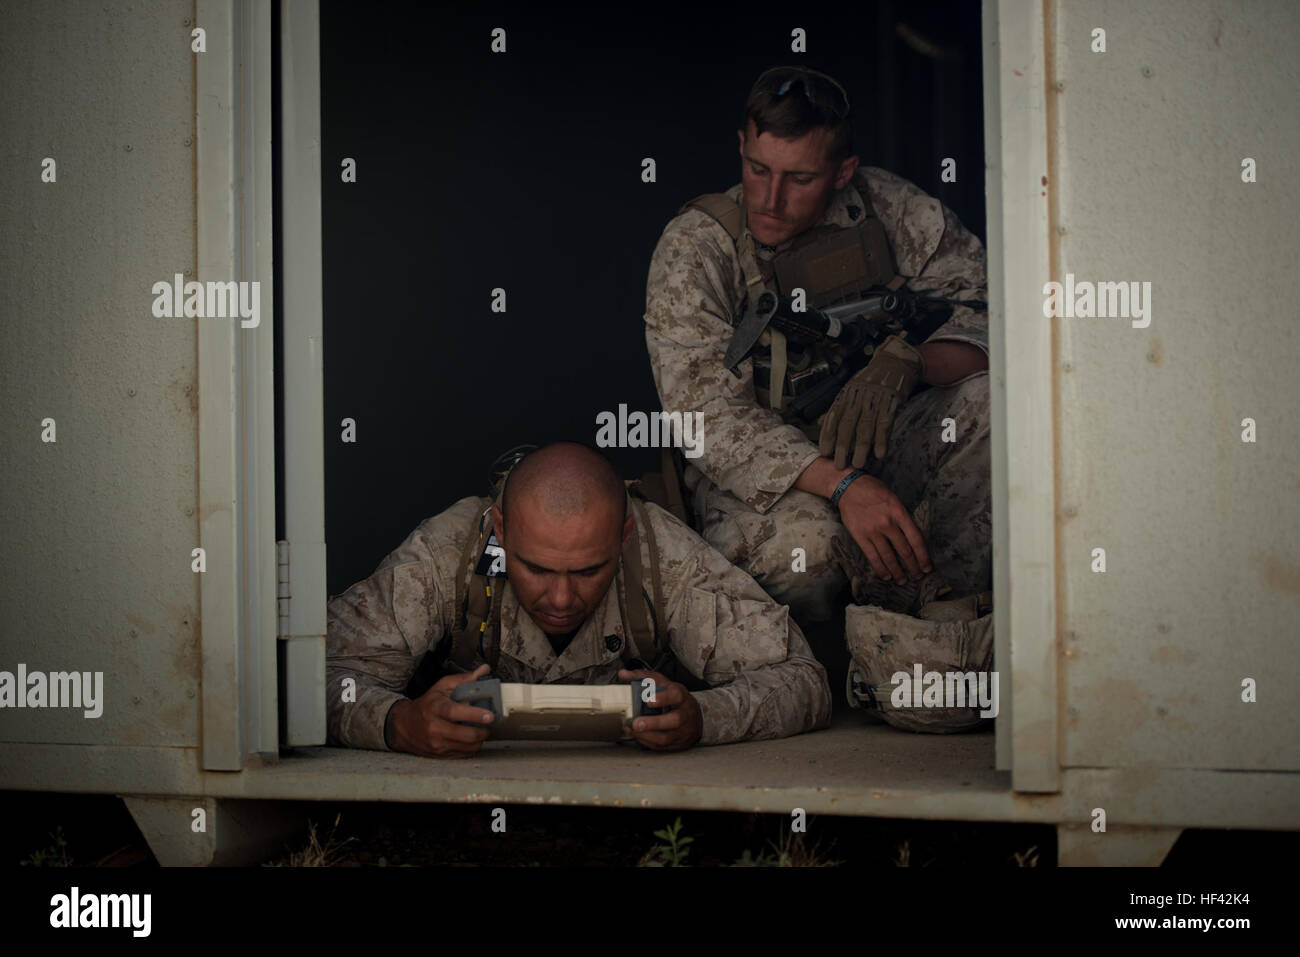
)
(647, 638)
(759, 275)
(656, 583)
(720, 208)
(479, 595)
(734, 218)
(776, 345)
(478, 599)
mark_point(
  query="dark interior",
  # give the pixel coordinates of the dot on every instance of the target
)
(478, 170)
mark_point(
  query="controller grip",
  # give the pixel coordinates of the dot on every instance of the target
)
(641, 707)
(485, 693)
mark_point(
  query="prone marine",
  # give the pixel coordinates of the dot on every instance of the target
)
(564, 577)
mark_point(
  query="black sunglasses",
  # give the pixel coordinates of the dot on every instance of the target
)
(820, 89)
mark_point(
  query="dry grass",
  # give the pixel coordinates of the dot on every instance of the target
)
(1027, 858)
(56, 855)
(903, 857)
(316, 854)
(791, 850)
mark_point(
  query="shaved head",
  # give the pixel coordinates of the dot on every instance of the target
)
(565, 479)
(567, 526)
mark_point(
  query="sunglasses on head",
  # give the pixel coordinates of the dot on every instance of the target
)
(819, 88)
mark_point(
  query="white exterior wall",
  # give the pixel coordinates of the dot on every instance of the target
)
(1201, 530)
(98, 527)
(1142, 669)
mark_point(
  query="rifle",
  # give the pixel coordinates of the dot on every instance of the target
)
(854, 328)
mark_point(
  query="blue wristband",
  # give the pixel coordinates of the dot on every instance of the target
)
(844, 485)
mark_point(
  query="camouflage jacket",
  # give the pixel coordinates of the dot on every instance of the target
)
(722, 627)
(695, 289)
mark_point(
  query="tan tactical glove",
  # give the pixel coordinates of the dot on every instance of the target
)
(865, 407)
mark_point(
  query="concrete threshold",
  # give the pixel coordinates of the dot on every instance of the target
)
(855, 767)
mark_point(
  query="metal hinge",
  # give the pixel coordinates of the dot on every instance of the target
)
(282, 591)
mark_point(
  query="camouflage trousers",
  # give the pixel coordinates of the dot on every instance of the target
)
(927, 459)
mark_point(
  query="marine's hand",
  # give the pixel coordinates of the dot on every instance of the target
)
(677, 729)
(429, 724)
(862, 413)
(884, 530)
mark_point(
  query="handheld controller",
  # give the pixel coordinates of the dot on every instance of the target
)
(559, 712)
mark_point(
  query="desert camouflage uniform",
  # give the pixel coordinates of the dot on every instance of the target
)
(745, 505)
(742, 485)
(947, 634)
(765, 682)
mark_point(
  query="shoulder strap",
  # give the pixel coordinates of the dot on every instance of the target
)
(870, 232)
(478, 604)
(720, 207)
(877, 242)
(477, 634)
(648, 637)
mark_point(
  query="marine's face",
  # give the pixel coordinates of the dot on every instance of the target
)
(788, 183)
(560, 568)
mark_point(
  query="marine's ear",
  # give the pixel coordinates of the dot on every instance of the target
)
(847, 168)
